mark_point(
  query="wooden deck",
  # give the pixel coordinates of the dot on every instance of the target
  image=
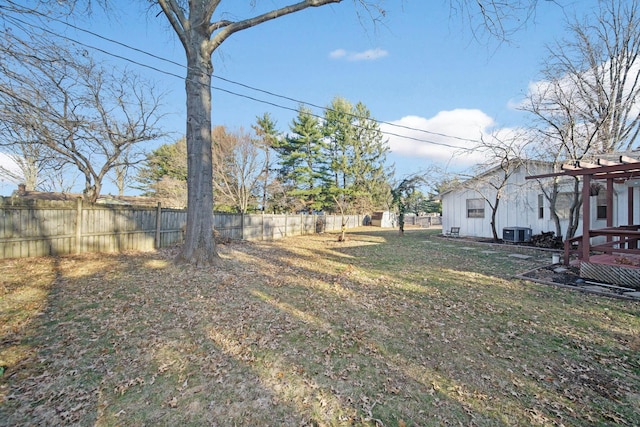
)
(621, 241)
(615, 269)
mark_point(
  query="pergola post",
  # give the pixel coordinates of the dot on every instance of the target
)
(610, 202)
(630, 218)
(586, 215)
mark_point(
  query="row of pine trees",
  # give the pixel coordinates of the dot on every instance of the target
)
(336, 162)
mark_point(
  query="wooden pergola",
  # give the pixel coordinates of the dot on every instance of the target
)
(620, 239)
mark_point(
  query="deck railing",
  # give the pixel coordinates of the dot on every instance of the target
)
(622, 240)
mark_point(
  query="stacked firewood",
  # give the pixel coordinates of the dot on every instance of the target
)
(547, 240)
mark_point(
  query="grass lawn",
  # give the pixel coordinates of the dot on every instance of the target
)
(378, 330)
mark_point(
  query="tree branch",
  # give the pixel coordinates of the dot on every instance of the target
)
(230, 28)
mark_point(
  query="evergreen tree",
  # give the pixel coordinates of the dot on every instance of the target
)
(402, 196)
(265, 129)
(164, 174)
(339, 133)
(303, 162)
(368, 166)
(168, 160)
(357, 152)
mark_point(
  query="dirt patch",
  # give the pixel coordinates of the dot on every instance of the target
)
(556, 274)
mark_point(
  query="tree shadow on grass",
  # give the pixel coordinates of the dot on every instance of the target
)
(485, 320)
(282, 336)
(123, 346)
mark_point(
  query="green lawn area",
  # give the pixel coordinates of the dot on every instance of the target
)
(378, 330)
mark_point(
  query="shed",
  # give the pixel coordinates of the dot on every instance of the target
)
(384, 219)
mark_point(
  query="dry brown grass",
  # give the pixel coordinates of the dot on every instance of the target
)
(377, 330)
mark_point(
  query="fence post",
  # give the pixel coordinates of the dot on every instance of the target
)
(158, 225)
(78, 225)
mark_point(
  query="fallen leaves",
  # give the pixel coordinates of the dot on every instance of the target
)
(377, 330)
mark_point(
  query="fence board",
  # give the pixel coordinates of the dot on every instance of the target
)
(39, 228)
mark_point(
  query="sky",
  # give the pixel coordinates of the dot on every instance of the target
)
(422, 67)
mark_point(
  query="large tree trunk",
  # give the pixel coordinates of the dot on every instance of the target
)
(199, 247)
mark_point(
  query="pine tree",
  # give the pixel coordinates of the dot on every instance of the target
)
(168, 160)
(163, 174)
(357, 152)
(371, 176)
(303, 161)
(339, 133)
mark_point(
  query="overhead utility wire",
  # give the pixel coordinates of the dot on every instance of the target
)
(236, 83)
(34, 11)
(442, 144)
(258, 89)
(224, 90)
(149, 66)
(240, 84)
(232, 81)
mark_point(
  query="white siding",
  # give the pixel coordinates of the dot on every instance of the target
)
(519, 208)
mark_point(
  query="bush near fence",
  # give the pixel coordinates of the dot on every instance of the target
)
(30, 228)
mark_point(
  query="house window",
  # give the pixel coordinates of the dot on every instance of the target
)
(540, 206)
(601, 204)
(475, 208)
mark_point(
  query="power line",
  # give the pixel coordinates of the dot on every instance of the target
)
(34, 11)
(253, 87)
(233, 82)
(15, 19)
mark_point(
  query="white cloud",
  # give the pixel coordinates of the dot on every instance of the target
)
(443, 138)
(367, 55)
(571, 86)
(337, 54)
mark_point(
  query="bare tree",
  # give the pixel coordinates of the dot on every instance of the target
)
(587, 103)
(32, 164)
(561, 138)
(75, 111)
(122, 171)
(601, 62)
(504, 156)
(267, 136)
(23, 167)
(499, 19)
(170, 191)
(237, 168)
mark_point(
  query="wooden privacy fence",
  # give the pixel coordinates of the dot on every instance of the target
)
(31, 228)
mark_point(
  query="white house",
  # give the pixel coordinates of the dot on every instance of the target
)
(523, 203)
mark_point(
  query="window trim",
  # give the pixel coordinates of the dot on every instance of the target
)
(474, 211)
(540, 206)
(601, 205)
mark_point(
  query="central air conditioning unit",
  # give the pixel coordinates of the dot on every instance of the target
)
(516, 234)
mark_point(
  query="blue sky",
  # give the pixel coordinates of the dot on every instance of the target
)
(422, 67)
